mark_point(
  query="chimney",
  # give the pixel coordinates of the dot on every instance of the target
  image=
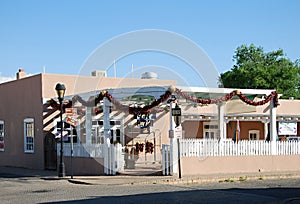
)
(21, 74)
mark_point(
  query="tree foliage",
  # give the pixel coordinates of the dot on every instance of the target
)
(257, 69)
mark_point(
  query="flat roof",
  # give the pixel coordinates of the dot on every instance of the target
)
(225, 90)
(145, 93)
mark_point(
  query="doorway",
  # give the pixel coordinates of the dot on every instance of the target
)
(50, 152)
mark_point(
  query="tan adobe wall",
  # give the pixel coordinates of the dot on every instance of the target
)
(82, 84)
(239, 164)
(84, 166)
(22, 99)
(193, 129)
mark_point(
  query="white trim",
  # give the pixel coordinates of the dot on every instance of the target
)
(209, 131)
(256, 132)
(224, 90)
(28, 120)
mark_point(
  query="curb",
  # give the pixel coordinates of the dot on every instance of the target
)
(74, 181)
(229, 178)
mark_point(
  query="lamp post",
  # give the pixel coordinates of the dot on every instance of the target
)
(60, 90)
(175, 117)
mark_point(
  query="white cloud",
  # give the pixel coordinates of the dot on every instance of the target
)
(5, 78)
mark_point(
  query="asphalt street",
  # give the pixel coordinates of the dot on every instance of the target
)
(37, 188)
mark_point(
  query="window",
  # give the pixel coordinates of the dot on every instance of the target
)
(253, 134)
(210, 130)
(1, 135)
(115, 134)
(97, 133)
(29, 135)
(69, 132)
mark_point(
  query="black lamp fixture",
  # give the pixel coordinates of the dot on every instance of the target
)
(171, 99)
(176, 113)
(60, 90)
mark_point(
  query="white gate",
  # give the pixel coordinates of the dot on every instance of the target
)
(113, 159)
(166, 160)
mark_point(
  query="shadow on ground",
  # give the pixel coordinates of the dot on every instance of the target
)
(234, 195)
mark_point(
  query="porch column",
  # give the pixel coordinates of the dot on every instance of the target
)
(221, 110)
(225, 129)
(173, 143)
(273, 131)
(265, 128)
(88, 125)
(106, 119)
(108, 169)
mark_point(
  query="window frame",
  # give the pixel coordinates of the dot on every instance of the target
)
(116, 130)
(252, 133)
(2, 135)
(210, 130)
(29, 133)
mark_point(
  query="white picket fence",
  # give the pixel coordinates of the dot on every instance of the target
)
(166, 160)
(203, 147)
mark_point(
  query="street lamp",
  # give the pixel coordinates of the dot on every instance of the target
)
(60, 90)
(175, 114)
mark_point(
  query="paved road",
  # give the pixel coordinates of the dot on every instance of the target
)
(44, 189)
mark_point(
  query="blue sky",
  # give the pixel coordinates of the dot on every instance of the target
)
(60, 35)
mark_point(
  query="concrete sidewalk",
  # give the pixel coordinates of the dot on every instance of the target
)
(13, 172)
(131, 180)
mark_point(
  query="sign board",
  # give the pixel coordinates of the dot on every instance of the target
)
(178, 132)
(71, 111)
(287, 128)
(58, 134)
(71, 121)
(176, 111)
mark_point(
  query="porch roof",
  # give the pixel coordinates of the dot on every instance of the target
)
(240, 117)
(206, 92)
(144, 94)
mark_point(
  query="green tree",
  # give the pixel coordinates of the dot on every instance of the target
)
(257, 69)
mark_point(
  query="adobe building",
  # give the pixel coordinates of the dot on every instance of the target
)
(30, 124)
(26, 122)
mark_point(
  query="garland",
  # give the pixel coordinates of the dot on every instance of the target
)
(272, 96)
(93, 101)
(54, 104)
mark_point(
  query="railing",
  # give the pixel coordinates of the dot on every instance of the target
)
(83, 150)
(200, 148)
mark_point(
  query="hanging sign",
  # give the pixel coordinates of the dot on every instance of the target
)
(71, 121)
(71, 111)
(287, 128)
(178, 132)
